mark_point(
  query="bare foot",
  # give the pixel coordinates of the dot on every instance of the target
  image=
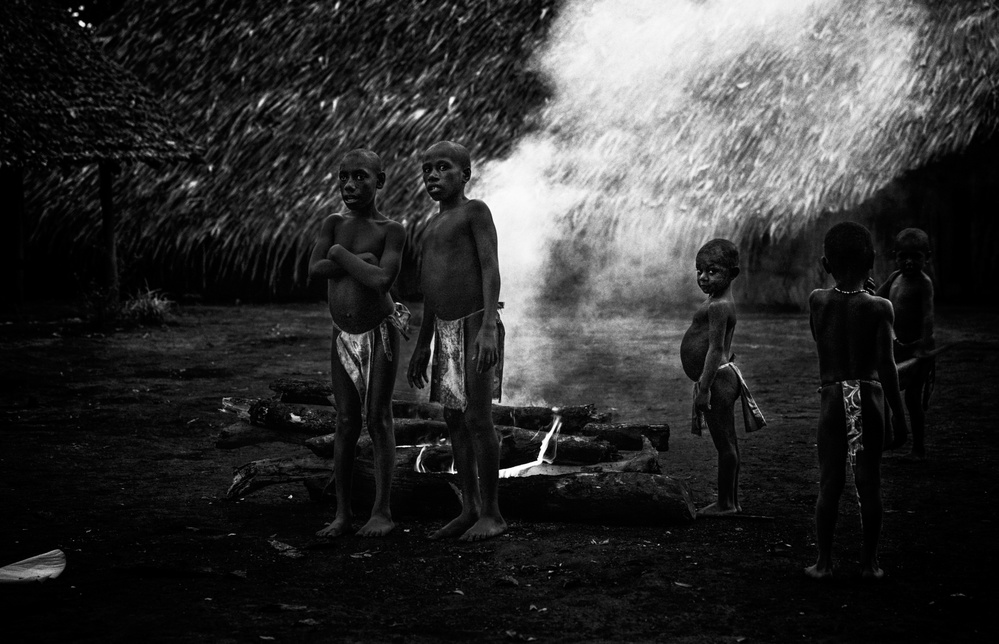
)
(485, 528)
(456, 527)
(819, 573)
(872, 573)
(377, 526)
(715, 510)
(338, 527)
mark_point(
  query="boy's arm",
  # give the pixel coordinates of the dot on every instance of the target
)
(319, 265)
(381, 275)
(887, 370)
(719, 314)
(417, 375)
(484, 235)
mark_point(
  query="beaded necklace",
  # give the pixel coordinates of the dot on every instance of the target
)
(839, 290)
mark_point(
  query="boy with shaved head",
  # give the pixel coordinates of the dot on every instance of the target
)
(460, 281)
(853, 336)
(359, 253)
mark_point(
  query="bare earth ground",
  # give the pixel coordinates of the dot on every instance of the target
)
(108, 453)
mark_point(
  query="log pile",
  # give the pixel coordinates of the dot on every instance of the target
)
(600, 471)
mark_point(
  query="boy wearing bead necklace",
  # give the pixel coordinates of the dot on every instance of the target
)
(853, 336)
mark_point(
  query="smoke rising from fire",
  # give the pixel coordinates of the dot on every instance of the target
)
(675, 121)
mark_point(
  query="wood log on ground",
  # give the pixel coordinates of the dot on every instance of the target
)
(610, 498)
(277, 415)
(517, 446)
(317, 392)
(646, 461)
(241, 434)
(628, 436)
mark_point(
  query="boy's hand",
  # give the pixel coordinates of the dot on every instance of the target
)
(486, 352)
(417, 375)
(369, 258)
(330, 252)
(702, 401)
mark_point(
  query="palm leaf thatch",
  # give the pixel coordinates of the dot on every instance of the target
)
(279, 91)
(62, 102)
(752, 128)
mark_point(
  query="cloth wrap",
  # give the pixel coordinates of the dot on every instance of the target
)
(355, 350)
(752, 417)
(857, 408)
(447, 372)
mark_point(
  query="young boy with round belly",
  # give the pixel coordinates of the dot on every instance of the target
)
(706, 355)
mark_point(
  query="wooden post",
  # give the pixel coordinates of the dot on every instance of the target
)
(108, 219)
(12, 215)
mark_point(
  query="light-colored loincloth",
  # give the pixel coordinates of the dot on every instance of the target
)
(356, 349)
(861, 403)
(752, 417)
(447, 373)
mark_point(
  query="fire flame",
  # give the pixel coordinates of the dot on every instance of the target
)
(549, 446)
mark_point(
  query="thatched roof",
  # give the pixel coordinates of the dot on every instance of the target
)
(64, 102)
(279, 91)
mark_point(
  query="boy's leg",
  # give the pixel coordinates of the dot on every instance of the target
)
(721, 425)
(380, 427)
(831, 439)
(478, 422)
(867, 476)
(348, 430)
(467, 473)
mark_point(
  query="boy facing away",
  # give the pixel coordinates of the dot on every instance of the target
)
(359, 252)
(706, 355)
(853, 336)
(460, 281)
(910, 291)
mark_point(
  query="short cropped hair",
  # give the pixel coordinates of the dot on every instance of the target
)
(370, 158)
(724, 250)
(455, 151)
(912, 239)
(848, 246)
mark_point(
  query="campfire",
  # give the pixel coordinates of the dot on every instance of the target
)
(567, 463)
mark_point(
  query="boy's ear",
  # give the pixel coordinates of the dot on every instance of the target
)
(734, 271)
(381, 180)
(466, 175)
(825, 265)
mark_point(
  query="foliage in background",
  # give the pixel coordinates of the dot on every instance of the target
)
(277, 92)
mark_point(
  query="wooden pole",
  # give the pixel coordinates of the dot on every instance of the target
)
(108, 219)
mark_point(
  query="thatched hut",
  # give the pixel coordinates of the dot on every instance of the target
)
(279, 91)
(63, 103)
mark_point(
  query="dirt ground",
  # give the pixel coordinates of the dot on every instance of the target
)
(108, 453)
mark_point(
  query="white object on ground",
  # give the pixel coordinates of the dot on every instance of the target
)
(38, 568)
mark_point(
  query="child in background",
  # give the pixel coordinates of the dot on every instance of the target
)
(706, 355)
(910, 291)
